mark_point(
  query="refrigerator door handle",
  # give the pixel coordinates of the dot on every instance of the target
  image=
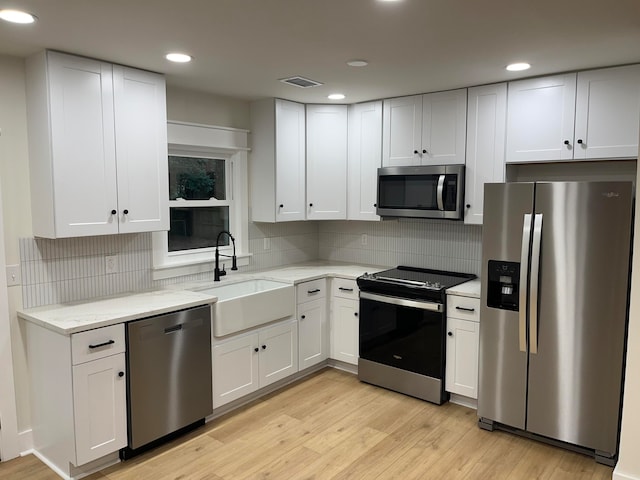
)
(535, 272)
(440, 193)
(524, 270)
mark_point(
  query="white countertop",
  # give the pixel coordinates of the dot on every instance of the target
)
(77, 317)
(466, 289)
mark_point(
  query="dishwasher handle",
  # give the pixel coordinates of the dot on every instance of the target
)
(175, 328)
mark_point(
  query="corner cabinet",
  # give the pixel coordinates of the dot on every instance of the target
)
(277, 166)
(78, 388)
(244, 363)
(486, 131)
(463, 343)
(364, 159)
(97, 147)
(590, 115)
(326, 162)
(425, 129)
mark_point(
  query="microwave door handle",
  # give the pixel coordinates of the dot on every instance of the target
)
(524, 273)
(440, 193)
(535, 272)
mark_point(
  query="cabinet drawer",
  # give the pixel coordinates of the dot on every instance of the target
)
(308, 291)
(98, 343)
(464, 308)
(344, 288)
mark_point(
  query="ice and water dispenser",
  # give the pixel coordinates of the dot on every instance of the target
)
(504, 285)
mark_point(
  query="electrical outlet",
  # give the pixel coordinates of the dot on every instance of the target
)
(363, 239)
(13, 275)
(111, 264)
(267, 243)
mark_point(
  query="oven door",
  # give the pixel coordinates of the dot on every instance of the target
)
(403, 333)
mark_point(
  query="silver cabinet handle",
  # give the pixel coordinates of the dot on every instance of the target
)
(535, 272)
(440, 193)
(524, 271)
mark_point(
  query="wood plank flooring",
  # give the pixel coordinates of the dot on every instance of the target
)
(331, 426)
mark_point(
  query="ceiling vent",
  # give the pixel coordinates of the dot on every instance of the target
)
(300, 82)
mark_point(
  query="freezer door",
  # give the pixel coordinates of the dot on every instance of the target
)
(503, 365)
(576, 375)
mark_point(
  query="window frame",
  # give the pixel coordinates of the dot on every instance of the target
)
(206, 141)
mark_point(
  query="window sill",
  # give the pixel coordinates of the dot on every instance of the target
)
(162, 272)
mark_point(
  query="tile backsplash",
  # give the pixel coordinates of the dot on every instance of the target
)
(434, 244)
(73, 269)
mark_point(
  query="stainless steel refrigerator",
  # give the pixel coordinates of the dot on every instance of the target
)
(555, 288)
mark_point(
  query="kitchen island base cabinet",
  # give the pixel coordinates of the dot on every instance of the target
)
(78, 395)
(244, 363)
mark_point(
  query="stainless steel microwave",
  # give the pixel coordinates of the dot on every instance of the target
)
(428, 191)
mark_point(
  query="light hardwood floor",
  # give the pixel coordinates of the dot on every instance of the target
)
(331, 426)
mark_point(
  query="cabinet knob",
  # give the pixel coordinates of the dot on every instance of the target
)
(256, 349)
(450, 334)
(355, 314)
(125, 211)
(424, 150)
(468, 205)
(375, 205)
(416, 152)
(311, 204)
(121, 374)
(113, 212)
(580, 141)
(303, 317)
(566, 142)
(281, 205)
(264, 347)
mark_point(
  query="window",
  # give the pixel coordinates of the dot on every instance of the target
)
(207, 194)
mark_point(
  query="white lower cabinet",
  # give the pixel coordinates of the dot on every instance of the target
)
(463, 340)
(244, 363)
(313, 328)
(345, 307)
(78, 391)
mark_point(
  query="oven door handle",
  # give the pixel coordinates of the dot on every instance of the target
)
(403, 302)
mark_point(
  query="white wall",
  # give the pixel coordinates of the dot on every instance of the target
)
(195, 107)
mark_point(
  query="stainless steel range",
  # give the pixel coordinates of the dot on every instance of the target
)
(402, 330)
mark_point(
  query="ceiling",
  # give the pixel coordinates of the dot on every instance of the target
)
(242, 47)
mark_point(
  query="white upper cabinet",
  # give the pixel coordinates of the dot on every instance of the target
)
(607, 113)
(589, 115)
(277, 166)
(425, 129)
(364, 159)
(326, 162)
(97, 147)
(487, 117)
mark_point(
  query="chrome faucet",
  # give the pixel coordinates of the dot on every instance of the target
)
(217, 273)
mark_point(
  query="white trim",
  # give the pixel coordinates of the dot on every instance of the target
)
(203, 125)
(9, 447)
(623, 476)
(180, 133)
(25, 442)
(192, 268)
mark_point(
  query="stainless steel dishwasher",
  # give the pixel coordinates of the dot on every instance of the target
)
(169, 382)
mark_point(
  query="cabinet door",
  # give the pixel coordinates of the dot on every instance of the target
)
(100, 408)
(402, 131)
(83, 147)
(326, 162)
(540, 119)
(344, 330)
(235, 368)
(608, 113)
(312, 333)
(141, 150)
(444, 127)
(290, 161)
(462, 357)
(487, 117)
(278, 352)
(364, 159)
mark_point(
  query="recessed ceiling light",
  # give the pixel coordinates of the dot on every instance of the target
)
(336, 96)
(518, 67)
(17, 16)
(357, 63)
(178, 57)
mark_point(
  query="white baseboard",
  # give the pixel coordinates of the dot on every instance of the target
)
(464, 401)
(53, 467)
(25, 442)
(623, 476)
